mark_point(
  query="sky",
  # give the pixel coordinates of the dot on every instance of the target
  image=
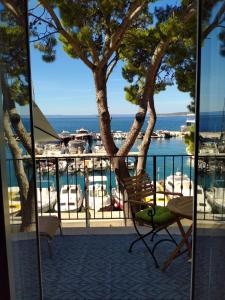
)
(212, 74)
(66, 87)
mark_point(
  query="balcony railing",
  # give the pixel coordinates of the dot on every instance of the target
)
(85, 187)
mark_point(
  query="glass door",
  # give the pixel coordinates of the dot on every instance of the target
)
(17, 154)
(209, 250)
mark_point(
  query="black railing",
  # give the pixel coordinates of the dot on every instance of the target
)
(85, 187)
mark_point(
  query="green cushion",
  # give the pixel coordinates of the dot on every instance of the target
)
(162, 215)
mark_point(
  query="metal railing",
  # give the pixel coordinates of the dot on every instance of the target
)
(85, 187)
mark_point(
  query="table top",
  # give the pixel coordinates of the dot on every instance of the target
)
(181, 206)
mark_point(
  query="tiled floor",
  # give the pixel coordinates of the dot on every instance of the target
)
(100, 267)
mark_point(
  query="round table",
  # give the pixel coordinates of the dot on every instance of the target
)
(181, 206)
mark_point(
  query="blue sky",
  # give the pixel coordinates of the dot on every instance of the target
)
(212, 74)
(66, 87)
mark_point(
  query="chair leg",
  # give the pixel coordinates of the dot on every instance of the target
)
(170, 235)
(152, 254)
(141, 238)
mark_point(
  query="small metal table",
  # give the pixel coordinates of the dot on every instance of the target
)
(181, 207)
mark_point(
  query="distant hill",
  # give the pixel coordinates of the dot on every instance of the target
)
(173, 114)
(114, 115)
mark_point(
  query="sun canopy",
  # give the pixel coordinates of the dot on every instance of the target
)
(43, 131)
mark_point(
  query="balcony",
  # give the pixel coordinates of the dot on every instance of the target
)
(91, 259)
(82, 189)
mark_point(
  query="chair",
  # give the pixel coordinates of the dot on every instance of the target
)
(147, 213)
(47, 229)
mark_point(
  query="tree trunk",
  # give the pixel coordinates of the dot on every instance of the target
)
(26, 189)
(15, 118)
(103, 112)
(143, 149)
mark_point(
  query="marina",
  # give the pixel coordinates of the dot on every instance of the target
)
(75, 174)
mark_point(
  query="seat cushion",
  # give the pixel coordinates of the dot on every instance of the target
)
(162, 215)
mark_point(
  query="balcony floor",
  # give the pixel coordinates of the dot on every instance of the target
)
(99, 267)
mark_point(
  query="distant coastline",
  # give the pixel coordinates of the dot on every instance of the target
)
(175, 114)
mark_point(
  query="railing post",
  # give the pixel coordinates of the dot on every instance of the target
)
(87, 198)
(154, 179)
(57, 187)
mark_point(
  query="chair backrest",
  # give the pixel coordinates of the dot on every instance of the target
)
(138, 188)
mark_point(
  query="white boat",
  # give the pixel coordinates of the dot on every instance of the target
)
(189, 122)
(46, 199)
(130, 164)
(76, 146)
(64, 134)
(99, 148)
(216, 198)
(118, 198)
(52, 150)
(179, 183)
(82, 134)
(98, 196)
(119, 135)
(203, 205)
(100, 164)
(14, 200)
(71, 198)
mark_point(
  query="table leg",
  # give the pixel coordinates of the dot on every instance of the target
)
(178, 248)
(181, 228)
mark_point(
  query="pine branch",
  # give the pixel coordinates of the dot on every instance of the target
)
(66, 35)
(134, 11)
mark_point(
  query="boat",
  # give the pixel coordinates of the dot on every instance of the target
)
(46, 199)
(118, 198)
(74, 166)
(163, 133)
(64, 134)
(76, 146)
(216, 198)
(14, 200)
(119, 135)
(203, 205)
(98, 196)
(179, 183)
(83, 134)
(99, 148)
(71, 198)
(190, 121)
(130, 164)
(52, 150)
(161, 199)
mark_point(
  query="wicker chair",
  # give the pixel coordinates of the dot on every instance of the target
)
(147, 213)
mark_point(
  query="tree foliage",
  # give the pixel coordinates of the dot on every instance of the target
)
(178, 61)
(13, 60)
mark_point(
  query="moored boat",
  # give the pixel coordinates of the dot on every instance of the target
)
(179, 183)
(98, 196)
(71, 198)
(216, 198)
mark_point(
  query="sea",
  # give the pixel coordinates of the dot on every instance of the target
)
(123, 123)
(174, 149)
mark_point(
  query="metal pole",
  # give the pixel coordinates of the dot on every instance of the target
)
(57, 187)
(87, 197)
(154, 180)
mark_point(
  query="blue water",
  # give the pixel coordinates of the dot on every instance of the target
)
(71, 123)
